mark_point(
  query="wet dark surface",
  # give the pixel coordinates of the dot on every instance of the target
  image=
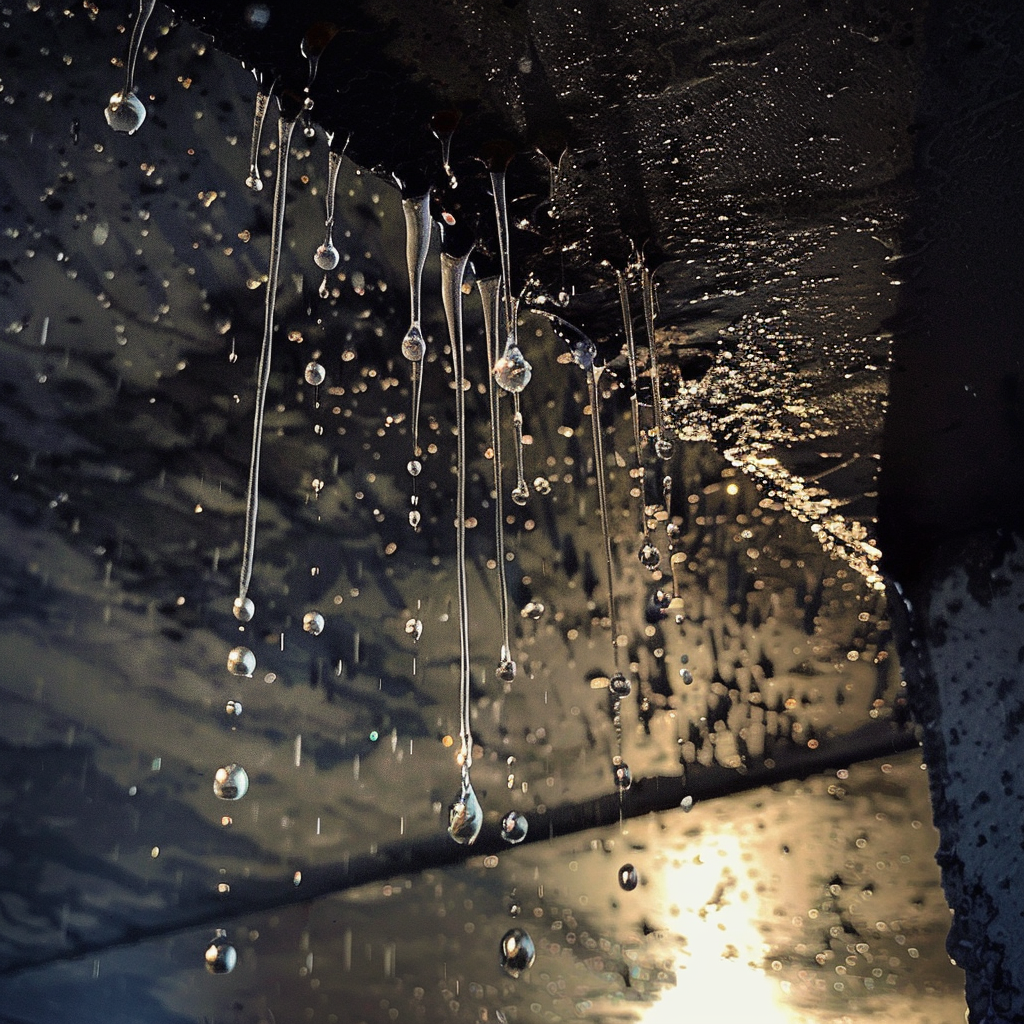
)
(126, 429)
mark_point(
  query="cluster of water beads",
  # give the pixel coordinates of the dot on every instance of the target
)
(230, 782)
(220, 955)
(125, 112)
(517, 952)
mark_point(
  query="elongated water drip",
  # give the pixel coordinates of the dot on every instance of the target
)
(443, 125)
(490, 299)
(255, 180)
(453, 269)
(649, 555)
(285, 127)
(414, 347)
(327, 257)
(662, 442)
(313, 44)
(125, 112)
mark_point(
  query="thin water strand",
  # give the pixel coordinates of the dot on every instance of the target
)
(662, 442)
(490, 299)
(452, 272)
(285, 127)
(125, 112)
(255, 180)
(327, 256)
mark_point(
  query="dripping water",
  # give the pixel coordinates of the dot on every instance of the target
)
(443, 125)
(327, 256)
(414, 347)
(662, 442)
(465, 814)
(285, 127)
(255, 180)
(125, 112)
(511, 371)
(649, 555)
(490, 299)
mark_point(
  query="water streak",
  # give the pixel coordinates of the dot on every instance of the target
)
(490, 299)
(255, 180)
(285, 127)
(662, 442)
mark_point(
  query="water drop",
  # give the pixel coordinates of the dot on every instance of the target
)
(414, 519)
(512, 371)
(534, 610)
(619, 685)
(443, 125)
(233, 708)
(514, 827)
(517, 952)
(465, 815)
(323, 291)
(125, 112)
(285, 127)
(414, 628)
(327, 256)
(520, 495)
(664, 448)
(649, 555)
(314, 373)
(414, 348)
(686, 675)
(621, 773)
(220, 955)
(241, 662)
(687, 804)
(254, 180)
(506, 670)
(542, 485)
(628, 877)
(313, 623)
(231, 782)
(313, 44)
(243, 609)
(414, 467)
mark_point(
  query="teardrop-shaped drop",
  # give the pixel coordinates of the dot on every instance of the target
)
(512, 372)
(231, 782)
(628, 877)
(327, 256)
(514, 827)
(220, 955)
(517, 952)
(243, 609)
(414, 467)
(241, 662)
(413, 346)
(125, 112)
(465, 815)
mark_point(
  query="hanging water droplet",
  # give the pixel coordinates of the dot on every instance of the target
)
(517, 952)
(313, 623)
(243, 609)
(512, 371)
(514, 827)
(327, 256)
(542, 485)
(520, 495)
(233, 708)
(414, 467)
(414, 628)
(506, 670)
(465, 815)
(231, 782)
(621, 773)
(314, 374)
(413, 346)
(628, 877)
(220, 955)
(649, 555)
(241, 661)
(125, 112)
(619, 685)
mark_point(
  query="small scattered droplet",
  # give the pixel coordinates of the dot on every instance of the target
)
(534, 610)
(517, 952)
(233, 708)
(506, 670)
(241, 662)
(514, 827)
(414, 519)
(520, 495)
(220, 955)
(231, 782)
(649, 555)
(323, 291)
(414, 467)
(619, 685)
(623, 776)
(315, 374)
(542, 485)
(414, 628)
(628, 877)
(687, 804)
(313, 623)
(512, 371)
(465, 815)
(243, 609)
